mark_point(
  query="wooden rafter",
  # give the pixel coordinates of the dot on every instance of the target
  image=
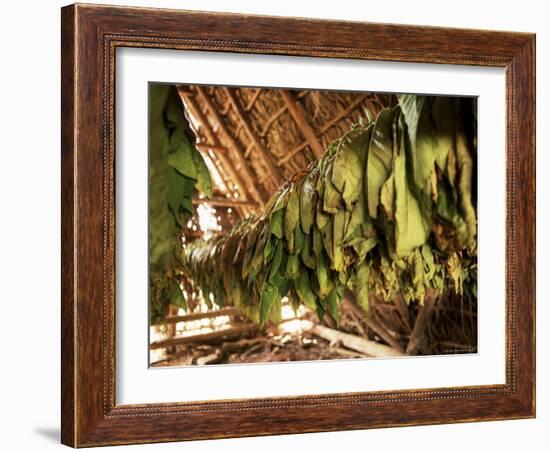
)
(272, 119)
(344, 113)
(214, 147)
(293, 152)
(330, 123)
(252, 101)
(247, 170)
(243, 179)
(303, 124)
(221, 156)
(230, 177)
(274, 171)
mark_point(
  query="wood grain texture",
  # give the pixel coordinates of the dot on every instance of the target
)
(90, 36)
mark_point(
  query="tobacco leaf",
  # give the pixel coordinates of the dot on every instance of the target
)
(292, 216)
(307, 203)
(413, 223)
(269, 296)
(379, 159)
(389, 209)
(303, 288)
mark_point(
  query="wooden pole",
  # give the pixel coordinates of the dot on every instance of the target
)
(252, 101)
(274, 170)
(215, 147)
(206, 337)
(418, 336)
(356, 343)
(272, 119)
(371, 323)
(299, 116)
(202, 315)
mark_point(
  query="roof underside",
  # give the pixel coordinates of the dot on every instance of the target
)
(254, 139)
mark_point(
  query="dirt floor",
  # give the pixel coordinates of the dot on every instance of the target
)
(262, 348)
(448, 332)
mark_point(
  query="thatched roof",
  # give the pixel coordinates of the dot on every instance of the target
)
(255, 139)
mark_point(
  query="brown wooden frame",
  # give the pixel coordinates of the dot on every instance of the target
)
(90, 35)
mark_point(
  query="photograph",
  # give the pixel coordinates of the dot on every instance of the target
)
(302, 225)
(276, 221)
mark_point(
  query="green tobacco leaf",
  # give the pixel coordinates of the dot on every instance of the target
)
(363, 246)
(379, 160)
(276, 223)
(299, 238)
(181, 159)
(325, 285)
(307, 204)
(308, 258)
(357, 218)
(331, 196)
(204, 181)
(317, 242)
(269, 249)
(465, 166)
(349, 165)
(422, 140)
(269, 296)
(411, 106)
(318, 235)
(303, 289)
(447, 209)
(327, 235)
(339, 224)
(292, 215)
(332, 302)
(179, 188)
(277, 259)
(175, 295)
(293, 266)
(412, 222)
(362, 286)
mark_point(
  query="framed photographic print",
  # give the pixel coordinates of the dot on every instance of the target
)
(281, 225)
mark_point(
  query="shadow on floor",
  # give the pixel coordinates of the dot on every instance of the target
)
(50, 433)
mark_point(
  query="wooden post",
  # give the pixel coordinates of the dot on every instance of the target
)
(171, 328)
(299, 116)
(274, 170)
(418, 336)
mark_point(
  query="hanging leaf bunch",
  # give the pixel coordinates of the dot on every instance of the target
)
(176, 170)
(389, 210)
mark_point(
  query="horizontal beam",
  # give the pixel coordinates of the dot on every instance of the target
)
(201, 315)
(215, 147)
(206, 337)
